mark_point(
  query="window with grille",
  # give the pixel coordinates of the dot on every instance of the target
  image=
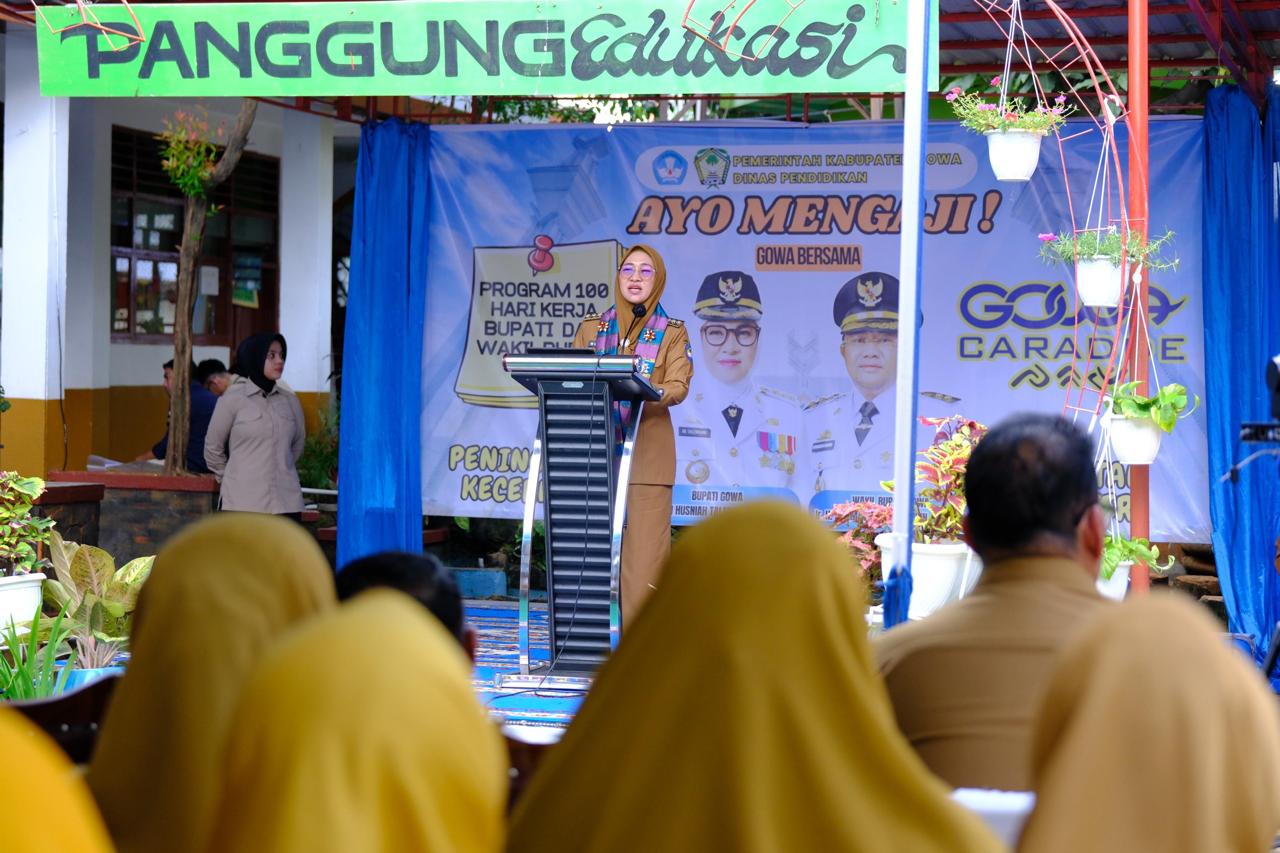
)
(239, 256)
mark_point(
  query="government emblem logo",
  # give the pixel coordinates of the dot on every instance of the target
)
(669, 168)
(730, 289)
(697, 471)
(712, 165)
(870, 292)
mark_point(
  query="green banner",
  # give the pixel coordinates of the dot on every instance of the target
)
(479, 47)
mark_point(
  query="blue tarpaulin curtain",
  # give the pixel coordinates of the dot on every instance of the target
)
(1242, 330)
(380, 473)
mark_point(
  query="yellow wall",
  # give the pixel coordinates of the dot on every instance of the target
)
(120, 423)
(31, 432)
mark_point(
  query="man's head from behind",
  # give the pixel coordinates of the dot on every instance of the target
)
(168, 375)
(213, 374)
(1032, 491)
(420, 576)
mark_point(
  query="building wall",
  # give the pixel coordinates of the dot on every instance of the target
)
(85, 394)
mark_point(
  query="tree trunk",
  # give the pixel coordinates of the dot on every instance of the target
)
(195, 213)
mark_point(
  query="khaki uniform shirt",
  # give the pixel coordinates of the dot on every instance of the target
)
(966, 681)
(253, 445)
(653, 461)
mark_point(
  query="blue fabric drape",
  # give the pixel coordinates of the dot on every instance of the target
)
(380, 474)
(1242, 330)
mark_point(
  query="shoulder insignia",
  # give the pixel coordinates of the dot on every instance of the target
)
(776, 394)
(822, 401)
(671, 321)
(938, 395)
(591, 317)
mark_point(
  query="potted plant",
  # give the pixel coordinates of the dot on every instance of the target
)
(1138, 423)
(943, 566)
(1100, 254)
(1118, 556)
(29, 668)
(1013, 130)
(22, 533)
(860, 522)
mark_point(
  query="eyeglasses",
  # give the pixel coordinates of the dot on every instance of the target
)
(628, 270)
(745, 335)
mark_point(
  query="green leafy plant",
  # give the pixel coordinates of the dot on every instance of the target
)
(980, 114)
(28, 664)
(1110, 243)
(95, 652)
(21, 531)
(1117, 550)
(939, 503)
(98, 598)
(189, 153)
(1163, 408)
(318, 465)
(5, 405)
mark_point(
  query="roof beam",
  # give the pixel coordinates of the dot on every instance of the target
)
(1118, 11)
(1234, 45)
(1099, 41)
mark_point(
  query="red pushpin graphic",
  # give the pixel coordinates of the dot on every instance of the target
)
(541, 259)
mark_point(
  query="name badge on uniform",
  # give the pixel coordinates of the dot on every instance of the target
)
(819, 446)
(695, 432)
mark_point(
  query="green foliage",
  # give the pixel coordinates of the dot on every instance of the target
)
(1111, 244)
(189, 154)
(21, 532)
(28, 664)
(1117, 550)
(940, 503)
(5, 405)
(569, 110)
(1163, 408)
(98, 598)
(318, 465)
(982, 115)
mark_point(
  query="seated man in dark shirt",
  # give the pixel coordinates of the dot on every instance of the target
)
(202, 402)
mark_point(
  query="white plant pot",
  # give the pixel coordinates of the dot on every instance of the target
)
(19, 598)
(1135, 441)
(1098, 281)
(1014, 154)
(1118, 584)
(939, 573)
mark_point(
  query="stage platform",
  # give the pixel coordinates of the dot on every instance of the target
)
(497, 653)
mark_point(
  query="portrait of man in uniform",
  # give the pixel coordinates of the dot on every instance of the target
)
(849, 435)
(733, 431)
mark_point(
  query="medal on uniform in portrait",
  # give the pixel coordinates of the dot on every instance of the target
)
(697, 471)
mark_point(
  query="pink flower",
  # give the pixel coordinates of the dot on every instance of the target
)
(1010, 116)
(995, 81)
(951, 96)
(1056, 111)
(986, 106)
(1061, 99)
(1047, 238)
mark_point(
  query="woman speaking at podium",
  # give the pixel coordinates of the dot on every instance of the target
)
(637, 324)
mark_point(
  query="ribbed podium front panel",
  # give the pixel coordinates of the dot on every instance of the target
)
(577, 446)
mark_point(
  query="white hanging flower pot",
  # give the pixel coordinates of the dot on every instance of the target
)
(940, 572)
(1098, 281)
(1117, 585)
(1135, 441)
(1014, 154)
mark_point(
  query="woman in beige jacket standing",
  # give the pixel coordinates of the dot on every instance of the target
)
(257, 433)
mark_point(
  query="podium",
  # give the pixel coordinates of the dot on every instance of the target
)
(582, 477)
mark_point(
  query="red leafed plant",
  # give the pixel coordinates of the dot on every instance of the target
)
(940, 504)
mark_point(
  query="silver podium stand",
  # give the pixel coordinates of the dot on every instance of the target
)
(584, 490)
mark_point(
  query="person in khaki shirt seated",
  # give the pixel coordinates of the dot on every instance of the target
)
(965, 682)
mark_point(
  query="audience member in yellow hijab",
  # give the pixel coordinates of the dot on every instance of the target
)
(1155, 735)
(743, 712)
(46, 806)
(360, 733)
(219, 594)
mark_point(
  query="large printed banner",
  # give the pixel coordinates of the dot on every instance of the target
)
(782, 250)
(476, 47)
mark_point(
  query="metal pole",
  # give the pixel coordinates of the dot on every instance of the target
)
(1139, 90)
(914, 134)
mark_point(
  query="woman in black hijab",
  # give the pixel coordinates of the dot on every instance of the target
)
(257, 433)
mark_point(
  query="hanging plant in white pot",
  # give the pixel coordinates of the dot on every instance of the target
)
(1138, 423)
(1101, 258)
(1013, 130)
(1118, 557)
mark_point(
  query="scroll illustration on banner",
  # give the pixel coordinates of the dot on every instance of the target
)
(523, 297)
